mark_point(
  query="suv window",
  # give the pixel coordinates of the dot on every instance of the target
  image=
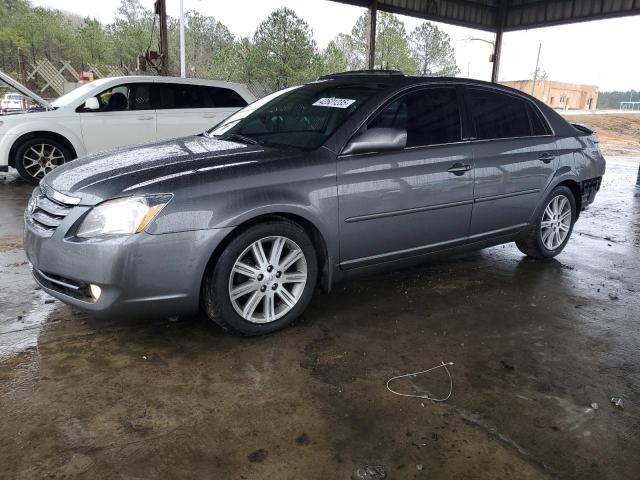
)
(181, 96)
(134, 96)
(224, 98)
(498, 115)
(431, 116)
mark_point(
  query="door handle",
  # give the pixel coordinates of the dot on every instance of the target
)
(210, 115)
(145, 117)
(546, 157)
(459, 169)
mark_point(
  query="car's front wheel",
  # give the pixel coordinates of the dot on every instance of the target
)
(263, 280)
(36, 157)
(553, 227)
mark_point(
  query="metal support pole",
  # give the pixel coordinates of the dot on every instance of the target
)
(637, 194)
(183, 69)
(535, 72)
(497, 49)
(371, 51)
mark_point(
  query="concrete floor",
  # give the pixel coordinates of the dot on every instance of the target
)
(534, 344)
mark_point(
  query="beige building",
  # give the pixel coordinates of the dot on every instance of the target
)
(566, 96)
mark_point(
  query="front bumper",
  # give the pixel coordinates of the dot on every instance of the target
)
(139, 275)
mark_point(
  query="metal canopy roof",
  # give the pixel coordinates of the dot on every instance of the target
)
(517, 14)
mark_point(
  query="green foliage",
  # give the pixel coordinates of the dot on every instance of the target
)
(334, 58)
(611, 100)
(282, 51)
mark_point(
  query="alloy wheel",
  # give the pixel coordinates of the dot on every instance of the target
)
(268, 279)
(556, 222)
(41, 158)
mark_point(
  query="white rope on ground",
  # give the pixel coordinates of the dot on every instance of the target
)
(414, 374)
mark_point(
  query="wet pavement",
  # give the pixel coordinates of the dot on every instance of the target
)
(534, 345)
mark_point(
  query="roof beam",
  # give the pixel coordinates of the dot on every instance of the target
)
(520, 14)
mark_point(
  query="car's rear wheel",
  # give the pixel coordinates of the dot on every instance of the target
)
(36, 157)
(554, 225)
(263, 280)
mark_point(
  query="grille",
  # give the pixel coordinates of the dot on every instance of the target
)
(47, 209)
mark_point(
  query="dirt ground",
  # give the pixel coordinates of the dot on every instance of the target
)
(535, 345)
(619, 133)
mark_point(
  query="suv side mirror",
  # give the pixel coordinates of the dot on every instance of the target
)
(377, 139)
(92, 104)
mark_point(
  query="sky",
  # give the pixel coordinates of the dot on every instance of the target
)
(602, 53)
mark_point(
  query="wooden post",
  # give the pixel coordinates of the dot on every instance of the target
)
(161, 11)
(371, 51)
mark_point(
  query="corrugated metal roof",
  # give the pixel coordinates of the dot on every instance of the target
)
(519, 14)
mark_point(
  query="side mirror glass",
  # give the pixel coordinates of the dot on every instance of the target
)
(376, 140)
(92, 104)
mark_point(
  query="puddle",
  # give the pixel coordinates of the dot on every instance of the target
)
(21, 333)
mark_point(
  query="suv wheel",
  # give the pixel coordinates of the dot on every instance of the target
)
(263, 279)
(38, 156)
(552, 230)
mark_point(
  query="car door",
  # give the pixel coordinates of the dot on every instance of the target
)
(514, 155)
(414, 200)
(189, 109)
(125, 117)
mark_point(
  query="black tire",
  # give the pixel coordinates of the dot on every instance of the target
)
(29, 149)
(215, 299)
(532, 244)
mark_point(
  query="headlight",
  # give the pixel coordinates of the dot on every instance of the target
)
(122, 216)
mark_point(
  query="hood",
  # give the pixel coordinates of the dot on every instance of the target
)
(25, 91)
(149, 168)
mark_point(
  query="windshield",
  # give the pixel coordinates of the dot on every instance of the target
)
(77, 94)
(300, 117)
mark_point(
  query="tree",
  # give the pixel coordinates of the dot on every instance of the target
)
(539, 74)
(284, 49)
(94, 43)
(205, 39)
(432, 51)
(132, 32)
(333, 58)
(392, 46)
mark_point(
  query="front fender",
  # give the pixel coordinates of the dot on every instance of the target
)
(67, 127)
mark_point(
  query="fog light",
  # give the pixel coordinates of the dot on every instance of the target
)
(95, 291)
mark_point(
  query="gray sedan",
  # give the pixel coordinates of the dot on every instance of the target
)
(346, 175)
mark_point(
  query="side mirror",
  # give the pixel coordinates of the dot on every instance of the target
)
(377, 139)
(92, 104)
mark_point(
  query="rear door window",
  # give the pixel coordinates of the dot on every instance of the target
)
(219, 97)
(498, 115)
(430, 116)
(181, 96)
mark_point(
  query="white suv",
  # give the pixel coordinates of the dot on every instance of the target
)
(113, 112)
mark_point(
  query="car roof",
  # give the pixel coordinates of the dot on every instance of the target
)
(395, 78)
(396, 81)
(176, 80)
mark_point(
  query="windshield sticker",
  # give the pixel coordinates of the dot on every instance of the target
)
(334, 102)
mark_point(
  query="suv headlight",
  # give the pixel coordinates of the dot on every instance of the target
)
(122, 216)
